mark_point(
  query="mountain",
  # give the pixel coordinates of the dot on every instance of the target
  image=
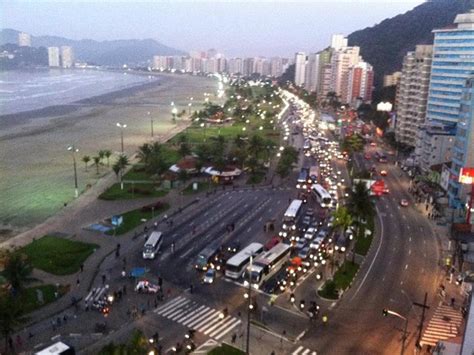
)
(385, 44)
(117, 52)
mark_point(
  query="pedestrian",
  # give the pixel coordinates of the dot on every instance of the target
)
(191, 288)
(87, 306)
(58, 321)
(103, 279)
(168, 293)
(124, 273)
(124, 261)
(56, 294)
(156, 303)
(117, 253)
(53, 324)
(234, 337)
(78, 282)
(65, 319)
(82, 267)
(124, 289)
(10, 343)
(453, 300)
(19, 342)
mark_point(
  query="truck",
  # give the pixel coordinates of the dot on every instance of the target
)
(314, 174)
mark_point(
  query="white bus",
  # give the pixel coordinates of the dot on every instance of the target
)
(267, 264)
(236, 265)
(322, 196)
(152, 245)
(292, 211)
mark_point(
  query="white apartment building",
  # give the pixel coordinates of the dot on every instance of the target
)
(67, 57)
(300, 68)
(24, 39)
(276, 67)
(412, 94)
(312, 72)
(338, 42)
(53, 57)
(159, 62)
(434, 145)
(341, 61)
(392, 79)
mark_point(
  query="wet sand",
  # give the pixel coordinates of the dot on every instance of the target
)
(36, 170)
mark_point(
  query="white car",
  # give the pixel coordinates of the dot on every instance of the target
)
(146, 287)
(209, 276)
(316, 243)
(310, 233)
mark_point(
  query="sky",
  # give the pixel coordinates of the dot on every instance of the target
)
(234, 28)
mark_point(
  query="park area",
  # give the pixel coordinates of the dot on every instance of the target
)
(57, 255)
(340, 282)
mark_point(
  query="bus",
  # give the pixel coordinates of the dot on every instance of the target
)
(152, 245)
(267, 264)
(209, 256)
(322, 196)
(302, 179)
(58, 348)
(236, 265)
(293, 211)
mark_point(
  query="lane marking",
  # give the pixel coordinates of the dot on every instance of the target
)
(406, 266)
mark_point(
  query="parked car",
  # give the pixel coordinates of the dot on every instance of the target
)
(383, 172)
(309, 234)
(403, 203)
(304, 253)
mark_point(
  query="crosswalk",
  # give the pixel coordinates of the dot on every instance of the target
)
(303, 351)
(445, 324)
(201, 318)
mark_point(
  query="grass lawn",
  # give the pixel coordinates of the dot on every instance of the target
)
(137, 174)
(256, 178)
(133, 219)
(202, 186)
(344, 275)
(363, 242)
(225, 349)
(56, 255)
(29, 300)
(329, 290)
(131, 191)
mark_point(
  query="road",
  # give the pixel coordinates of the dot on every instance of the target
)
(402, 264)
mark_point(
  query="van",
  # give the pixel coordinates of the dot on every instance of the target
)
(152, 245)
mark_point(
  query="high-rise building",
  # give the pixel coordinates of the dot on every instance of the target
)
(463, 150)
(24, 39)
(67, 57)
(53, 57)
(312, 72)
(338, 42)
(276, 67)
(300, 67)
(211, 53)
(341, 61)
(248, 67)
(324, 82)
(412, 94)
(392, 79)
(159, 62)
(434, 145)
(452, 64)
(360, 83)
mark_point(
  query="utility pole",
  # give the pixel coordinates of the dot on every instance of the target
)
(247, 346)
(424, 307)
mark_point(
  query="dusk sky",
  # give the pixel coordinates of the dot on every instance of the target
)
(247, 28)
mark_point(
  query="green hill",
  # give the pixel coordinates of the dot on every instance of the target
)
(385, 44)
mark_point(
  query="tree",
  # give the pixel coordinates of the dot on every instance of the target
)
(256, 145)
(360, 202)
(96, 163)
(108, 154)
(240, 141)
(101, 154)
(86, 159)
(144, 153)
(183, 176)
(342, 218)
(11, 312)
(122, 163)
(184, 149)
(116, 169)
(353, 143)
(17, 271)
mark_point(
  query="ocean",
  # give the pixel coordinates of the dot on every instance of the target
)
(35, 89)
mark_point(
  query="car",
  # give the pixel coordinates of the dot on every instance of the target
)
(146, 287)
(233, 247)
(310, 233)
(304, 253)
(373, 144)
(309, 212)
(367, 156)
(209, 276)
(383, 172)
(316, 243)
(301, 243)
(403, 203)
(383, 160)
(386, 190)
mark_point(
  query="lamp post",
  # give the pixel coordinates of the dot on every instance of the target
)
(249, 306)
(386, 312)
(151, 123)
(122, 127)
(74, 150)
(174, 112)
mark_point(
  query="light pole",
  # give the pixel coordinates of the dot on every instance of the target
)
(249, 306)
(151, 123)
(174, 112)
(121, 126)
(74, 150)
(386, 312)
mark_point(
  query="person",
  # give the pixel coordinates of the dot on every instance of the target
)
(124, 273)
(82, 267)
(191, 288)
(234, 337)
(103, 279)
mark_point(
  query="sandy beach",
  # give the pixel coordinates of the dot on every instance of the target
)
(37, 170)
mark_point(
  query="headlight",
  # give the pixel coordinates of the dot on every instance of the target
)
(343, 249)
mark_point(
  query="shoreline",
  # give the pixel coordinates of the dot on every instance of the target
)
(37, 182)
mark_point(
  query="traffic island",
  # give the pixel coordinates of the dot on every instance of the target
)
(56, 255)
(225, 349)
(333, 289)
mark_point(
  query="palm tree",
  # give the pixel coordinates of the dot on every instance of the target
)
(96, 163)
(184, 149)
(256, 145)
(17, 271)
(11, 313)
(144, 153)
(360, 203)
(183, 176)
(122, 162)
(116, 169)
(101, 154)
(86, 159)
(108, 154)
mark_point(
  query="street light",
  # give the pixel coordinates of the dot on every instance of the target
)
(174, 112)
(74, 150)
(121, 126)
(151, 123)
(249, 308)
(385, 313)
